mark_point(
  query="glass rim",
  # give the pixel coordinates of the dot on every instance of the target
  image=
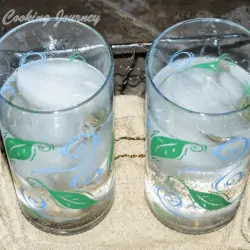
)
(156, 42)
(56, 19)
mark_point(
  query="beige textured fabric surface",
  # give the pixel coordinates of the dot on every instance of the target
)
(130, 224)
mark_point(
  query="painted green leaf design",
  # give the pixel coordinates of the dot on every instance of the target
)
(24, 150)
(214, 66)
(76, 55)
(66, 199)
(246, 88)
(111, 153)
(209, 201)
(72, 200)
(170, 148)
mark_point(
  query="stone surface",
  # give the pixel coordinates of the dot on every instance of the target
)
(129, 21)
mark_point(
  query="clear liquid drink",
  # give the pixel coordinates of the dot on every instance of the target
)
(197, 140)
(57, 127)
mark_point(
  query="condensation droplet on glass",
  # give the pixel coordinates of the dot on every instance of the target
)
(32, 123)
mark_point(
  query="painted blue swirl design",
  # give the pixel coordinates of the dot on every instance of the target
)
(31, 53)
(6, 88)
(36, 204)
(237, 177)
(179, 64)
(78, 152)
(170, 198)
(172, 202)
(231, 153)
(9, 88)
(190, 57)
(39, 205)
(233, 176)
(183, 62)
(81, 147)
(229, 179)
(90, 177)
(93, 176)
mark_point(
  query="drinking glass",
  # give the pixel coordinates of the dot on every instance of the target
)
(57, 122)
(198, 124)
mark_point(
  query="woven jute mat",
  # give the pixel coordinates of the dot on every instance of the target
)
(130, 224)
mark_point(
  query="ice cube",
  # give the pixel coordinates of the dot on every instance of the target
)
(189, 88)
(58, 84)
(202, 91)
(231, 86)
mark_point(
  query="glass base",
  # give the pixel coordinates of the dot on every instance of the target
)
(193, 227)
(72, 228)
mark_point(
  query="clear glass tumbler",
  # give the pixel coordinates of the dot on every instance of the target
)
(198, 124)
(57, 122)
